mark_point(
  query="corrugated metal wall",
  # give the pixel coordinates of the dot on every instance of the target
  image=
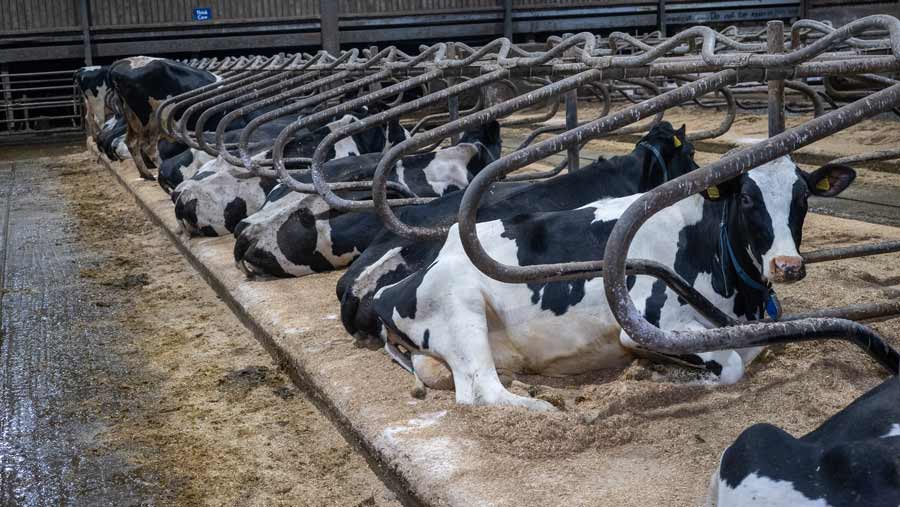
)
(44, 15)
(109, 13)
(47, 15)
(37, 15)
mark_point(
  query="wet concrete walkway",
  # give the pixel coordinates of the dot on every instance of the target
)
(57, 361)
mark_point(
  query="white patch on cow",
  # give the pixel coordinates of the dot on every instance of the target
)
(400, 171)
(775, 180)
(346, 146)
(199, 158)
(449, 167)
(893, 432)
(121, 148)
(748, 140)
(758, 491)
(136, 62)
(368, 278)
(325, 246)
(96, 104)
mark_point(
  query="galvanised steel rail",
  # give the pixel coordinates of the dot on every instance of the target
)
(704, 60)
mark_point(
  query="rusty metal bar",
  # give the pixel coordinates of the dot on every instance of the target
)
(849, 252)
(479, 186)
(730, 166)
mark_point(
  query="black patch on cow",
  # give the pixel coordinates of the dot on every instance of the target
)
(202, 175)
(90, 80)
(297, 239)
(713, 367)
(156, 80)
(654, 304)
(799, 208)
(753, 220)
(845, 461)
(186, 211)
(425, 339)
(699, 252)
(170, 172)
(208, 232)
(547, 238)
(260, 260)
(235, 211)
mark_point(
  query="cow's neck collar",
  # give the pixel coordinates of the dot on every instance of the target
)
(747, 276)
(656, 159)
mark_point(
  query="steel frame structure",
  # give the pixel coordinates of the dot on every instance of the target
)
(703, 61)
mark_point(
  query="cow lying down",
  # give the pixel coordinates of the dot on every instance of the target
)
(215, 199)
(111, 139)
(852, 459)
(452, 312)
(299, 234)
(662, 154)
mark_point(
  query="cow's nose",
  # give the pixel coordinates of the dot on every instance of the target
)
(787, 269)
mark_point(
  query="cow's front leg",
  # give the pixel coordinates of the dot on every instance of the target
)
(466, 350)
(134, 147)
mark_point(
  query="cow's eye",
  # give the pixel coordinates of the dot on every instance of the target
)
(746, 201)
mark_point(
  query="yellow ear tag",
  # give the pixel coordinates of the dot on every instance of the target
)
(677, 142)
(823, 184)
(713, 192)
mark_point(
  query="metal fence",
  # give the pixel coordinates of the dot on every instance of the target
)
(38, 103)
(706, 61)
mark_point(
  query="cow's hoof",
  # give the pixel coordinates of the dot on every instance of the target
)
(419, 391)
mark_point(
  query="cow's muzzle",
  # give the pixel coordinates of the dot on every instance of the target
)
(787, 269)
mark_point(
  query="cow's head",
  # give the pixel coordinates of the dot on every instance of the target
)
(667, 155)
(488, 141)
(767, 207)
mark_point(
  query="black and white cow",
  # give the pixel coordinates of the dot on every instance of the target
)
(663, 153)
(142, 83)
(852, 459)
(111, 139)
(476, 325)
(220, 195)
(299, 234)
(175, 170)
(92, 83)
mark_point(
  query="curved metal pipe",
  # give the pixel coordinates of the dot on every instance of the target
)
(730, 166)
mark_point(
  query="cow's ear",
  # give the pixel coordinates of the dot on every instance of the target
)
(830, 179)
(723, 190)
(680, 136)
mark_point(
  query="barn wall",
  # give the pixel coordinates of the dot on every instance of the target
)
(37, 15)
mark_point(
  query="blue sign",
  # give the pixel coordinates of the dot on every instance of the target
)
(202, 14)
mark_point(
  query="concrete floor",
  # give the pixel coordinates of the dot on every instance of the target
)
(53, 339)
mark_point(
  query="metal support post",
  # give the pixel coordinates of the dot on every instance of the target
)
(571, 123)
(86, 32)
(328, 20)
(507, 19)
(775, 44)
